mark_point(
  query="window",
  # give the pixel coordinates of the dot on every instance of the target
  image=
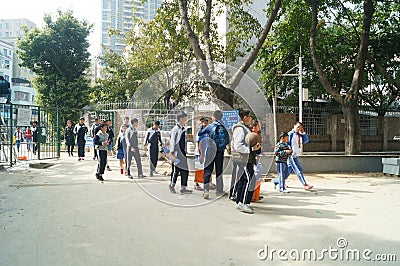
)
(5, 52)
(7, 26)
(21, 96)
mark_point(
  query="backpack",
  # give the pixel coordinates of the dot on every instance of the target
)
(220, 136)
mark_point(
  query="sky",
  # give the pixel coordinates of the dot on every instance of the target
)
(34, 10)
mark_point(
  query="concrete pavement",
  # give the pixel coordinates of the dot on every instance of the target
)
(62, 215)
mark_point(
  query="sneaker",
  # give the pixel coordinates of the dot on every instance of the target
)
(206, 194)
(151, 174)
(244, 208)
(79, 158)
(184, 190)
(198, 187)
(108, 168)
(308, 187)
(130, 177)
(99, 177)
(94, 158)
(172, 189)
(284, 191)
(141, 176)
(232, 198)
(213, 186)
(121, 171)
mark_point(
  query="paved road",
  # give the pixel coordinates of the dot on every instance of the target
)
(63, 216)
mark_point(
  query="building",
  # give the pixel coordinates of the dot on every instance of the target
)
(118, 15)
(6, 60)
(10, 31)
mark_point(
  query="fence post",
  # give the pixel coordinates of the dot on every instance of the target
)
(39, 132)
(58, 128)
(11, 134)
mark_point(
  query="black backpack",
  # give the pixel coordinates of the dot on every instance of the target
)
(220, 136)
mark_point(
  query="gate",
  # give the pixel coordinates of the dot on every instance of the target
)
(17, 144)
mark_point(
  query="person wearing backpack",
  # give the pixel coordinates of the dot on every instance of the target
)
(218, 139)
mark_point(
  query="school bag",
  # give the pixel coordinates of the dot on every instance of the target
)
(220, 136)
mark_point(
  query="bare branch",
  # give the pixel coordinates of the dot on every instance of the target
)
(206, 36)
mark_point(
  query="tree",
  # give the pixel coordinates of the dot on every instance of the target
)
(203, 51)
(349, 100)
(58, 55)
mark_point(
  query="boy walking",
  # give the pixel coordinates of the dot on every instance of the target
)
(178, 155)
(153, 137)
(282, 153)
(132, 149)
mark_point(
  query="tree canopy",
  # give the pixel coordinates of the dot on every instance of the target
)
(58, 55)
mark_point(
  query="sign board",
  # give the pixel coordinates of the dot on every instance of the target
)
(24, 117)
(89, 141)
(229, 118)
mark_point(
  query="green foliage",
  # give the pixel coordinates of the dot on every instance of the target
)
(58, 55)
(337, 41)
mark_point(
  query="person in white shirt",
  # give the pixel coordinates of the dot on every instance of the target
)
(297, 137)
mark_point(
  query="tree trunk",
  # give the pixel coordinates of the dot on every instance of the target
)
(352, 134)
(225, 95)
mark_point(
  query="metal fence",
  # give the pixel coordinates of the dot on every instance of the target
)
(16, 144)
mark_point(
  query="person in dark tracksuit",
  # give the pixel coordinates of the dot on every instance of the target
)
(80, 131)
(132, 149)
(93, 131)
(178, 155)
(111, 136)
(153, 137)
(101, 143)
(244, 156)
(69, 137)
(282, 154)
(34, 130)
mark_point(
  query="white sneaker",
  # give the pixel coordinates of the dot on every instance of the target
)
(206, 195)
(244, 208)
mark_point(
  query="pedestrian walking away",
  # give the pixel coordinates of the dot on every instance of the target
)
(214, 152)
(111, 135)
(93, 132)
(80, 130)
(69, 137)
(151, 144)
(132, 148)
(101, 143)
(178, 155)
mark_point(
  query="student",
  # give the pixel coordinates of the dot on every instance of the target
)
(101, 141)
(34, 130)
(28, 138)
(256, 128)
(121, 148)
(282, 153)
(111, 136)
(214, 155)
(178, 155)
(69, 137)
(244, 156)
(80, 130)
(198, 152)
(132, 149)
(153, 137)
(297, 137)
(18, 138)
(93, 131)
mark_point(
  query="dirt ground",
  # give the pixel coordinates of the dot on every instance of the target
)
(62, 215)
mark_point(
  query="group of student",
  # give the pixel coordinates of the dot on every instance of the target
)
(29, 135)
(213, 139)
